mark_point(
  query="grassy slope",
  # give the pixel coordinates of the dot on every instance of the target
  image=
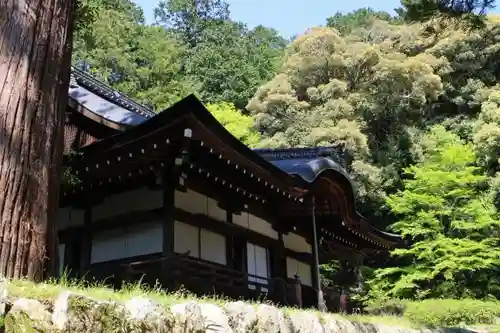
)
(50, 290)
(46, 292)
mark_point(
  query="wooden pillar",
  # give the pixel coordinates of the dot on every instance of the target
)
(297, 291)
(86, 240)
(169, 184)
(316, 275)
(229, 240)
(349, 276)
(279, 259)
(170, 180)
(279, 271)
(358, 262)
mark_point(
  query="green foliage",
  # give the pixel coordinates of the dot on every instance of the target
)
(487, 128)
(471, 11)
(190, 18)
(141, 61)
(68, 175)
(434, 313)
(226, 60)
(358, 94)
(360, 18)
(453, 227)
(386, 307)
(452, 313)
(230, 61)
(238, 124)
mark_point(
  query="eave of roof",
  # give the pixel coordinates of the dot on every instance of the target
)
(105, 102)
(311, 164)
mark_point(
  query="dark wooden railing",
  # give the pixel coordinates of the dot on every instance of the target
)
(179, 271)
(200, 277)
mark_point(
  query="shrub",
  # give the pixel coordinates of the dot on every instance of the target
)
(452, 313)
(391, 307)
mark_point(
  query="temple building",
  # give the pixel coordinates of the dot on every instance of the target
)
(173, 198)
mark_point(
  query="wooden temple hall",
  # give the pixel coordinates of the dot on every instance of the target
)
(173, 198)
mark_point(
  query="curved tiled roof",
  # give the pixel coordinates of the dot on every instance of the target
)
(311, 163)
(307, 163)
(106, 102)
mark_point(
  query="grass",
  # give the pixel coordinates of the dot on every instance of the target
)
(385, 320)
(417, 315)
(49, 290)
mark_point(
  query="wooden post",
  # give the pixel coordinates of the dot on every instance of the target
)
(344, 294)
(279, 271)
(229, 239)
(170, 181)
(297, 288)
(317, 277)
(86, 245)
(169, 186)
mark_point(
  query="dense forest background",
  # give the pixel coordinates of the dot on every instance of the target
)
(415, 105)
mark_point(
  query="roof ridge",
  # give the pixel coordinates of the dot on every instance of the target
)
(105, 91)
(294, 153)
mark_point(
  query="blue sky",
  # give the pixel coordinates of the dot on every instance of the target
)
(289, 17)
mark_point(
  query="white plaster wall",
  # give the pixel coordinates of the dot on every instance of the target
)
(191, 201)
(186, 239)
(129, 242)
(296, 243)
(197, 203)
(68, 217)
(256, 224)
(213, 247)
(134, 200)
(300, 268)
(190, 238)
(145, 239)
(214, 211)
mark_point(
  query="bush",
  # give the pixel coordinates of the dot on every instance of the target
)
(393, 307)
(452, 313)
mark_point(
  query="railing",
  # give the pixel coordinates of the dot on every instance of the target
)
(202, 278)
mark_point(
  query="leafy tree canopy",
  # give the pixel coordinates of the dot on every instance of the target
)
(138, 60)
(452, 226)
(237, 123)
(358, 94)
(360, 18)
(224, 57)
(189, 18)
(470, 11)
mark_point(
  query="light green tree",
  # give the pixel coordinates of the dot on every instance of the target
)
(237, 123)
(361, 95)
(450, 223)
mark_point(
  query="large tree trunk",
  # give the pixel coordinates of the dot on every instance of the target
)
(35, 55)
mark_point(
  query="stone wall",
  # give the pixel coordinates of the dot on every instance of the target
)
(72, 312)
